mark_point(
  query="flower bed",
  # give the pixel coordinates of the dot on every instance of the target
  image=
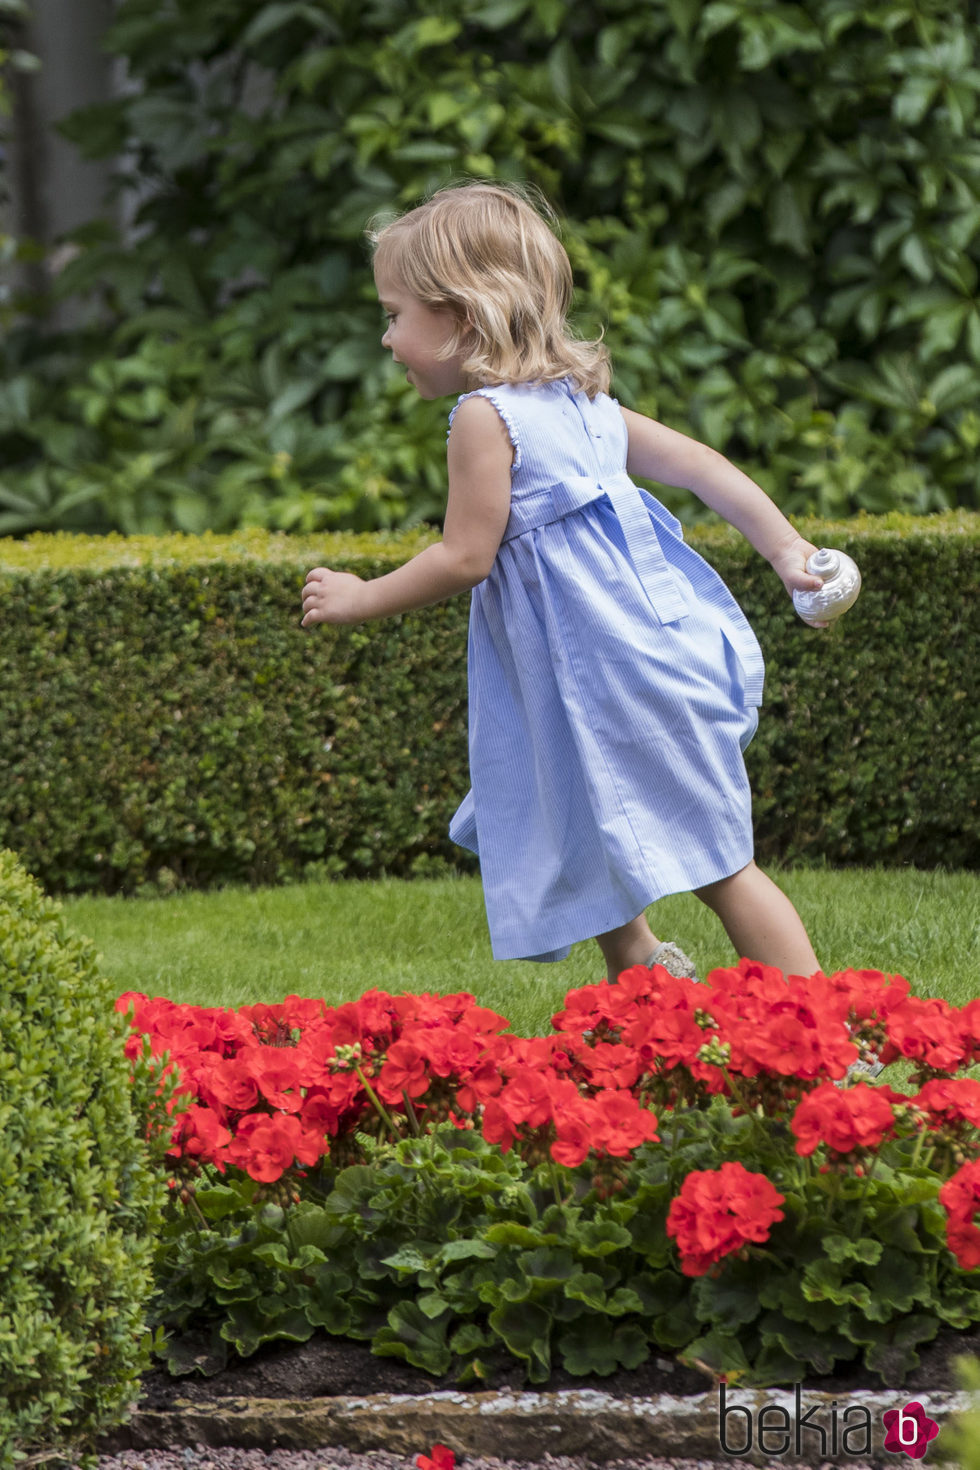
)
(683, 1166)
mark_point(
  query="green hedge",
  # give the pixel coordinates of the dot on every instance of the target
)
(166, 720)
(81, 1200)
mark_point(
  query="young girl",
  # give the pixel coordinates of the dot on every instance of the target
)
(613, 679)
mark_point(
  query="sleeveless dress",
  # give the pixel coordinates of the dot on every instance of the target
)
(613, 685)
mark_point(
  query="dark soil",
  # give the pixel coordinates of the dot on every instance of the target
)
(327, 1366)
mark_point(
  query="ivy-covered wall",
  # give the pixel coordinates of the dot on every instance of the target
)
(775, 210)
(167, 721)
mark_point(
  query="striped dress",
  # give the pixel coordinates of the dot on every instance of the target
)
(613, 686)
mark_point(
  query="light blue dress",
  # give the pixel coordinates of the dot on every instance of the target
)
(613, 686)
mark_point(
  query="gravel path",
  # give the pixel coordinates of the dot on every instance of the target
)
(203, 1458)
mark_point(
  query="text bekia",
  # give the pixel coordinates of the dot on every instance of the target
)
(822, 1428)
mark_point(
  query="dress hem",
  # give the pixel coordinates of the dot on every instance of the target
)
(560, 950)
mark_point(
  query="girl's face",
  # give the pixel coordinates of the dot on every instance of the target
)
(414, 337)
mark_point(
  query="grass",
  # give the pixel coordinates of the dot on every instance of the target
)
(337, 940)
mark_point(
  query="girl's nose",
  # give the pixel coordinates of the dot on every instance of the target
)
(384, 339)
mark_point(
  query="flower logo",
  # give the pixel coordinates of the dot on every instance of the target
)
(909, 1430)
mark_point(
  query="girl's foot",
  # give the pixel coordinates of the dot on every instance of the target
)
(674, 961)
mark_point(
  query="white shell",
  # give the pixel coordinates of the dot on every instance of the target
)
(841, 585)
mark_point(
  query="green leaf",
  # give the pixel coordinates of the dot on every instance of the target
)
(955, 387)
(443, 107)
(787, 217)
(349, 360)
(738, 121)
(329, 1304)
(602, 1237)
(547, 1266)
(675, 1327)
(434, 30)
(913, 100)
(525, 1330)
(813, 1347)
(463, 1250)
(500, 13)
(624, 1299)
(272, 18)
(597, 1347)
(407, 1259)
(291, 397)
(511, 1232)
(416, 1337)
(891, 1350)
(843, 1248)
(310, 1225)
(717, 1353)
(249, 1325)
(469, 1338)
(587, 1287)
(273, 1253)
(271, 1217)
(561, 69)
(350, 1188)
(433, 1303)
(916, 255)
(732, 1297)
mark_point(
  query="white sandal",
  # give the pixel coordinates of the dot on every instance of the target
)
(673, 959)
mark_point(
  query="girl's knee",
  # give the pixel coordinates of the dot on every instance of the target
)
(711, 893)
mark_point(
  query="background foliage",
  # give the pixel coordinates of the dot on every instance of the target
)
(81, 1202)
(167, 721)
(774, 207)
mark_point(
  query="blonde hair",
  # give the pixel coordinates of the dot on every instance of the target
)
(485, 252)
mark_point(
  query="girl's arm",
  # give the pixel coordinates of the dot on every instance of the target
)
(659, 453)
(479, 460)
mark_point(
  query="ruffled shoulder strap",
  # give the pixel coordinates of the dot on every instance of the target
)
(498, 396)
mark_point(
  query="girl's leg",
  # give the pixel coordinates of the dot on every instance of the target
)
(761, 922)
(631, 944)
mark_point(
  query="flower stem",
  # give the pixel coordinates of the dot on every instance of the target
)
(411, 1114)
(376, 1102)
(747, 1111)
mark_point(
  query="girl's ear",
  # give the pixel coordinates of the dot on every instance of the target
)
(469, 335)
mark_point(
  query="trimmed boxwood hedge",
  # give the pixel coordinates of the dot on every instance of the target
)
(166, 720)
(82, 1198)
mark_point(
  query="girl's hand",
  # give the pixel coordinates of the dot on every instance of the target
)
(789, 562)
(333, 597)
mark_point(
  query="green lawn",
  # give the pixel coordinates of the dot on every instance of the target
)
(339, 939)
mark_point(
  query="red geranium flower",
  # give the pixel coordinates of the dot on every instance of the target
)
(671, 1037)
(719, 1211)
(960, 1198)
(621, 1124)
(265, 1147)
(573, 1133)
(276, 1070)
(929, 1031)
(225, 1081)
(441, 1458)
(497, 1126)
(199, 1134)
(950, 1100)
(404, 1070)
(844, 1119)
(526, 1098)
